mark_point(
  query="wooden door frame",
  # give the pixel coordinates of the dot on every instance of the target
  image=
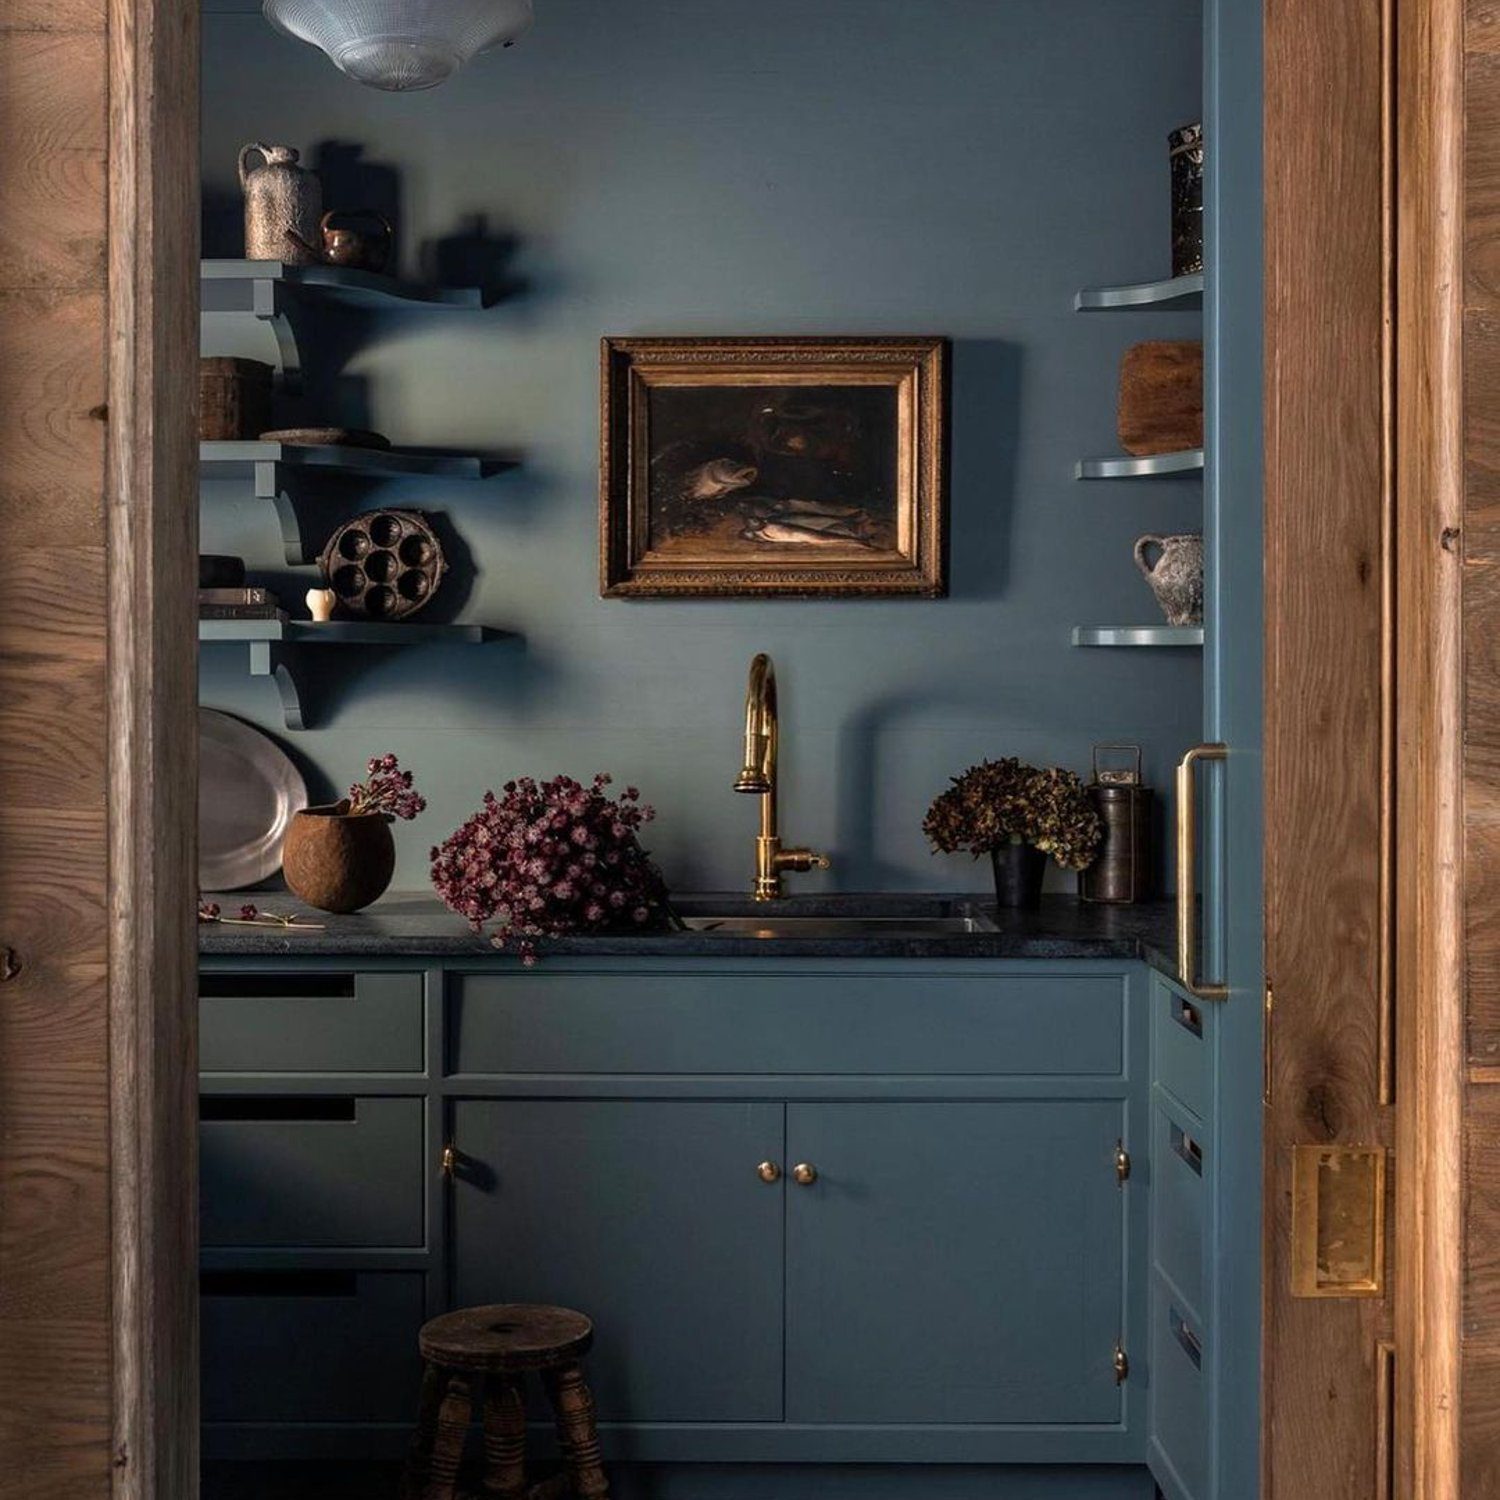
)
(1426, 685)
(151, 502)
(152, 508)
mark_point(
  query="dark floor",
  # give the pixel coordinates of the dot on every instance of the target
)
(301, 1481)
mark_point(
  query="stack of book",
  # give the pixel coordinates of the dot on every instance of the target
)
(239, 604)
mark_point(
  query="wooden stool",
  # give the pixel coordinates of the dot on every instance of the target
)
(486, 1351)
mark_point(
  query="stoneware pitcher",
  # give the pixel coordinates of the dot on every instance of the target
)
(283, 204)
(1176, 575)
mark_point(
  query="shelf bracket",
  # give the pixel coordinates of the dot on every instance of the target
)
(270, 303)
(271, 484)
(273, 659)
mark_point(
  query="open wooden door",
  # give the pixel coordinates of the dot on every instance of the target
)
(1364, 532)
(98, 341)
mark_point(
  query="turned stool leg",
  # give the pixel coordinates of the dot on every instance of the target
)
(419, 1456)
(504, 1440)
(577, 1434)
(448, 1450)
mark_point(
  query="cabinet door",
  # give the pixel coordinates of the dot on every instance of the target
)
(955, 1262)
(649, 1217)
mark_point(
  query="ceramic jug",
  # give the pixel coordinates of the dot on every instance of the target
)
(1176, 576)
(283, 203)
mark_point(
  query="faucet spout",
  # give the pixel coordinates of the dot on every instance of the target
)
(759, 773)
(758, 777)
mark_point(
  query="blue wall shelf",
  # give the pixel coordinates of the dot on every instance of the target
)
(276, 646)
(1179, 294)
(274, 469)
(276, 292)
(1153, 466)
(1137, 635)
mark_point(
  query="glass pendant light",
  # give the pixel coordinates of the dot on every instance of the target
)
(401, 44)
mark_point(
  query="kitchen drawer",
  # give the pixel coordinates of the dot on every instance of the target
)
(310, 1023)
(1179, 1198)
(550, 1020)
(314, 1170)
(310, 1345)
(1179, 1400)
(1181, 1037)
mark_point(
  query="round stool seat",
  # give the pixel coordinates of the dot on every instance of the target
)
(506, 1338)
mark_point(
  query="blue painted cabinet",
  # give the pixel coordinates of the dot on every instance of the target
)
(950, 1287)
(651, 1215)
(918, 1286)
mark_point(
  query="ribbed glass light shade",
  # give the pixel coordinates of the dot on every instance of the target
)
(401, 44)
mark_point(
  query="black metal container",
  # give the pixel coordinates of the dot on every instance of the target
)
(1121, 874)
(1185, 147)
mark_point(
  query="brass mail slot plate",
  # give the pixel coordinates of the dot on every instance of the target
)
(1338, 1221)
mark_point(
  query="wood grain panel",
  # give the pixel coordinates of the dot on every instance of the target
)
(54, 910)
(52, 753)
(1482, 26)
(55, 1373)
(53, 15)
(51, 415)
(1481, 1421)
(1326, 290)
(1482, 1181)
(52, 120)
(1481, 361)
(1482, 182)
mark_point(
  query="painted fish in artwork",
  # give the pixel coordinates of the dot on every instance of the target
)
(828, 532)
(717, 478)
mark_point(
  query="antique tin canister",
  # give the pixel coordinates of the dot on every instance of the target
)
(1122, 872)
(1186, 150)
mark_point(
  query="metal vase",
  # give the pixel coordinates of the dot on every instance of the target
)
(1019, 871)
(283, 206)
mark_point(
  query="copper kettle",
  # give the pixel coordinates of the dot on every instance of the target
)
(358, 249)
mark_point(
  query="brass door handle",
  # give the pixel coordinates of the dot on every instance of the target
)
(768, 1171)
(1187, 872)
(450, 1161)
(804, 1174)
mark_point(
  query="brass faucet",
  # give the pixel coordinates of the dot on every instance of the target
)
(759, 777)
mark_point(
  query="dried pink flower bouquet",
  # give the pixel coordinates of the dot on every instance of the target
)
(388, 790)
(551, 858)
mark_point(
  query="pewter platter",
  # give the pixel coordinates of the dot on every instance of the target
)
(247, 793)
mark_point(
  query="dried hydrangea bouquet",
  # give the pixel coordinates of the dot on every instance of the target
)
(1018, 815)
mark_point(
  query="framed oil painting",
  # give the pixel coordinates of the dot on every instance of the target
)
(773, 466)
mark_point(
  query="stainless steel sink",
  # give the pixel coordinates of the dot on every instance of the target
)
(775, 925)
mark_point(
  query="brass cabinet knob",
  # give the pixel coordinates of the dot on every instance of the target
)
(768, 1171)
(450, 1161)
(804, 1174)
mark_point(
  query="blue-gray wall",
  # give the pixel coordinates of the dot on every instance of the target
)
(750, 166)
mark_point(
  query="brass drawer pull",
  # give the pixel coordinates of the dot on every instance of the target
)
(804, 1174)
(1188, 1149)
(1187, 872)
(768, 1171)
(1192, 1346)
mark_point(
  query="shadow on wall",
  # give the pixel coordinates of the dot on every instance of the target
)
(985, 426)
(475, 255)
(859, 779)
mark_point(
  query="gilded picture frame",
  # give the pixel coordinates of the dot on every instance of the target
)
(753, 466)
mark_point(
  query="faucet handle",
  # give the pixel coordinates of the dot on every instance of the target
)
(802, 859)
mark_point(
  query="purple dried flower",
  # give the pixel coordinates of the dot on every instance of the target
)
(388, 790)
(517, 862)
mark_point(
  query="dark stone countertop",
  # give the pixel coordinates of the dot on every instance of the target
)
(417, 925)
